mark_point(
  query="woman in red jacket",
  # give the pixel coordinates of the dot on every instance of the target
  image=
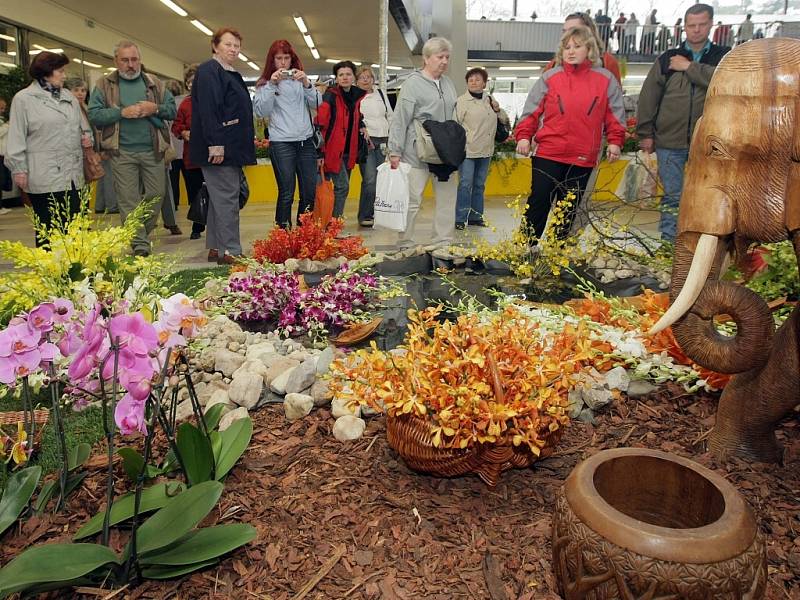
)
(565, 115)
(339, 117)
(192, 174)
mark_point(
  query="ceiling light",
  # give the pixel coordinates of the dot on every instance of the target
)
(307, 39)
(313, 77)
(356, 63)
(519, 68)
(87, 63)
(39, 47)
(243, 58)
(315, 53)
(3, 36)
(333, 61)
(34, 52)
(505, 78)
(253, 65)
(12, 53)
(301, 25)
(5, 64)
(201, 27)
(42, 49)
(391, 68)
(375, 66)
(174, 7)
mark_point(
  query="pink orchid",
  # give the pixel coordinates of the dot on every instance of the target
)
(93, 347)
(41, 318)
(19, 364)
(180, 314)
(129, 415)
(64, 309)
(134, 333)
(17, 338)
(137, 378)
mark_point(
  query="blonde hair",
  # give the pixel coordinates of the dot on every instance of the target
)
(581, 36)
(365, 69)
(435, 45)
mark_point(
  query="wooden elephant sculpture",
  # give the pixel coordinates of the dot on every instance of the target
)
(742, 185)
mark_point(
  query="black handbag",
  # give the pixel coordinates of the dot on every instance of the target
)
(198, 208)
(501, 133)
(244, 190)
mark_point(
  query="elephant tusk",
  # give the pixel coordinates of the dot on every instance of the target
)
(702, 261)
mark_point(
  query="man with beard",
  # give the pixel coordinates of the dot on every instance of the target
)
(130, 108)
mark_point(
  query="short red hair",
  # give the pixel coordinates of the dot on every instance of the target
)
(217, 38)
(278, 47)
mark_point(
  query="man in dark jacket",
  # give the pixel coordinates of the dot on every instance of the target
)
(670, 103)
(339, 117)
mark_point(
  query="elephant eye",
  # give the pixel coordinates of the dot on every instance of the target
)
(716, 149)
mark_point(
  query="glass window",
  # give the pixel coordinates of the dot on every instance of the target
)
(501, 86)
(523, 85)
(40, 43)
(9, 57)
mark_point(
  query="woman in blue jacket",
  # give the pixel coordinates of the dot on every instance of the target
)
(222, 141)
(285, 96)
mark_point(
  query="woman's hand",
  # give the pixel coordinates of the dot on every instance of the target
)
(394, 161)
(524, 147)
(276, 77)
(302, 77)
(21, 179)
(185, 134)
(86, 141)
(612, 152)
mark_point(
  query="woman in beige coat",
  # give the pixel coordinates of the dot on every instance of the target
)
(45, 139)
(477, 113)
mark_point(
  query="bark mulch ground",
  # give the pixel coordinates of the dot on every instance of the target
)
(351, 521)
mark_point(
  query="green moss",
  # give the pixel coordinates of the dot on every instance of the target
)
(188, 281)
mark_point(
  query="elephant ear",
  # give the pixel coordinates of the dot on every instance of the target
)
(793, 185)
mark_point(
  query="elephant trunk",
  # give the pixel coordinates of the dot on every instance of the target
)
(695, 330)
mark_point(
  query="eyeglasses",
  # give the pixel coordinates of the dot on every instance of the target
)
(366, 78)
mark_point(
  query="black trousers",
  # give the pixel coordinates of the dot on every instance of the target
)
(175, 170)
(44, 206)
(193, 178)
(551, 182)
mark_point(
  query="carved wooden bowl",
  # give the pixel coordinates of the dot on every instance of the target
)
(637, 523)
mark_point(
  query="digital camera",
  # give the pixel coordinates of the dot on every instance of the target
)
(288, 73)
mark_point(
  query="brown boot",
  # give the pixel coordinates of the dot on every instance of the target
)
(213, 255)
(229, 259)
(173, 229)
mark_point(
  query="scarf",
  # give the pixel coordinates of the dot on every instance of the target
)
(49, 87)
(476, 95)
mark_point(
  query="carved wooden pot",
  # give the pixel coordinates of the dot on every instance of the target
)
(636, 523)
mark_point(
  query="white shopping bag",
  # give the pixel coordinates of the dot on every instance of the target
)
(391, 197)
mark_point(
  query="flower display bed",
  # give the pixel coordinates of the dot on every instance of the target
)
(308, 494)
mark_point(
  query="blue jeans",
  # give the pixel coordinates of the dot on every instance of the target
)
(290, 160)
(471, 184)
(369, 176)
(341, 187)
(671, 164)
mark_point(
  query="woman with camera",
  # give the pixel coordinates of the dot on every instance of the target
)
(285, 96)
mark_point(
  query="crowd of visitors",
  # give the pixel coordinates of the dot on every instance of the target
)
(142, 135)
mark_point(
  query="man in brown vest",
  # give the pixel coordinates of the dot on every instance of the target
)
(130, 107)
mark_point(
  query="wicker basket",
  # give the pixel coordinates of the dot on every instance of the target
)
(40, 418)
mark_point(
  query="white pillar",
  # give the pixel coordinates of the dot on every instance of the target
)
(450, 21)
(383, 42)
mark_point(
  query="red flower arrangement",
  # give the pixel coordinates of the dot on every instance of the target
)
(631, 143)
(309, 240)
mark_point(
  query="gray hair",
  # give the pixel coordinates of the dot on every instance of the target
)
(122, 44)
(75, 82)
(436, 45)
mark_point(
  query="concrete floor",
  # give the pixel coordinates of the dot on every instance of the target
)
(257, 219)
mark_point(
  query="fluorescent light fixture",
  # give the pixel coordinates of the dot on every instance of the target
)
(313, 77)
(39, 47)
(201, 27)
(12, 52)
(505, 78)
(635, 77)
(519, 68)
(5, 64)
(356, 63)
(375, 66)
(533, 77)
(243, 58)
(3, 36)
(315, 53)
(34, 52)
(253, 65)
(301, 25)
(391, 68)
(333, 61)
(87, 63)
(174, 8)
(307, 39)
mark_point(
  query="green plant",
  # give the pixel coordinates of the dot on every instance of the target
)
(19, 489)
(165, 545)
(11, 82)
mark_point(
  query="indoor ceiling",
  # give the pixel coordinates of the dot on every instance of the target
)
(341, 30)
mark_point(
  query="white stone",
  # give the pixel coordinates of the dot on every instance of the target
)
(231, 417)
(624, 273)
(618, 379)
(324, 360)
(184, 410)
(298, 355)
(302, 377)
(340, 408)
(597, 398)
(297, 406)
(277, 364)
(222, 327)
(252, 366)
(227, 362)
(575, 399)
(278, 384)
(321, 392)
(639, 387)
(348, 428)
(246, 389)
(220, 397)
(259, 350)
(291, 264)
(206, 360)
(234, 346)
